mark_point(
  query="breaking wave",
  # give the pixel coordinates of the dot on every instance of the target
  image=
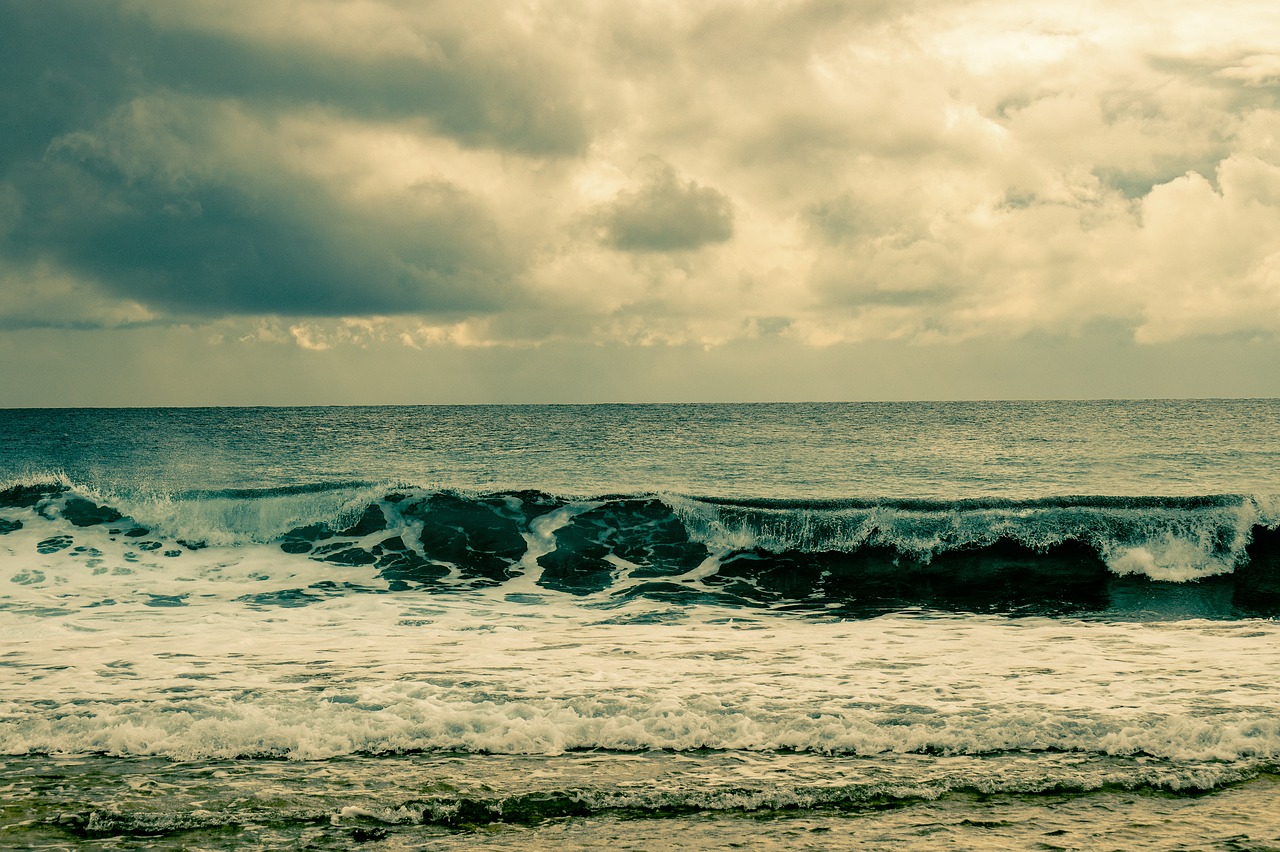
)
(982, 554)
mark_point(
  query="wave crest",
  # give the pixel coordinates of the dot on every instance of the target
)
(968, 554)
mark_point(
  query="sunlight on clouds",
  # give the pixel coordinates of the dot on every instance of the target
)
(42, 296)
(375, 173)
(1213, 253)
(988, 39)
(322, 335)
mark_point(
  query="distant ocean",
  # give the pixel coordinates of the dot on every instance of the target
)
(986, 625)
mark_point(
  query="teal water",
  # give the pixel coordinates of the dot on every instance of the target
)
(930, 625)
(945, 450)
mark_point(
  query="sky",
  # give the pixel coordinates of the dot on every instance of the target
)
(230, 202)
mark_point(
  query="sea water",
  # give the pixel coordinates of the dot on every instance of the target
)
(899, 626)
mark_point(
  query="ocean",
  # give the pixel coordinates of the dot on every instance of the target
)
(968, 625)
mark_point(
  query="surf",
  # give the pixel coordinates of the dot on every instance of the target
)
(854, 556)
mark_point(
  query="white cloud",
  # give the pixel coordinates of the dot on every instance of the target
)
(1211, 258)
(923, 172)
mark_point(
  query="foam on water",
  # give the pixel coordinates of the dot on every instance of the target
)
(476, 672)
(1173, 539)
(1163, 538)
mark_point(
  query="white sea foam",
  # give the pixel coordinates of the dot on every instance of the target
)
(474, 673)
(1168, 558)
(1171, 543)
(236, 520)
(307, 730)
(1163, 539)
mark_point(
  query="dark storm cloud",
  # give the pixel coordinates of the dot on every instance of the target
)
(67, 63)
(234, 247)
(666, 214)
(503, 101)
(233, 244)
(180, 229)
(62, 67)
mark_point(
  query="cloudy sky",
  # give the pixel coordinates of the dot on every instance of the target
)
(368, 201)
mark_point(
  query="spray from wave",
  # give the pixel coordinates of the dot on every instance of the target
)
(836, 555)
